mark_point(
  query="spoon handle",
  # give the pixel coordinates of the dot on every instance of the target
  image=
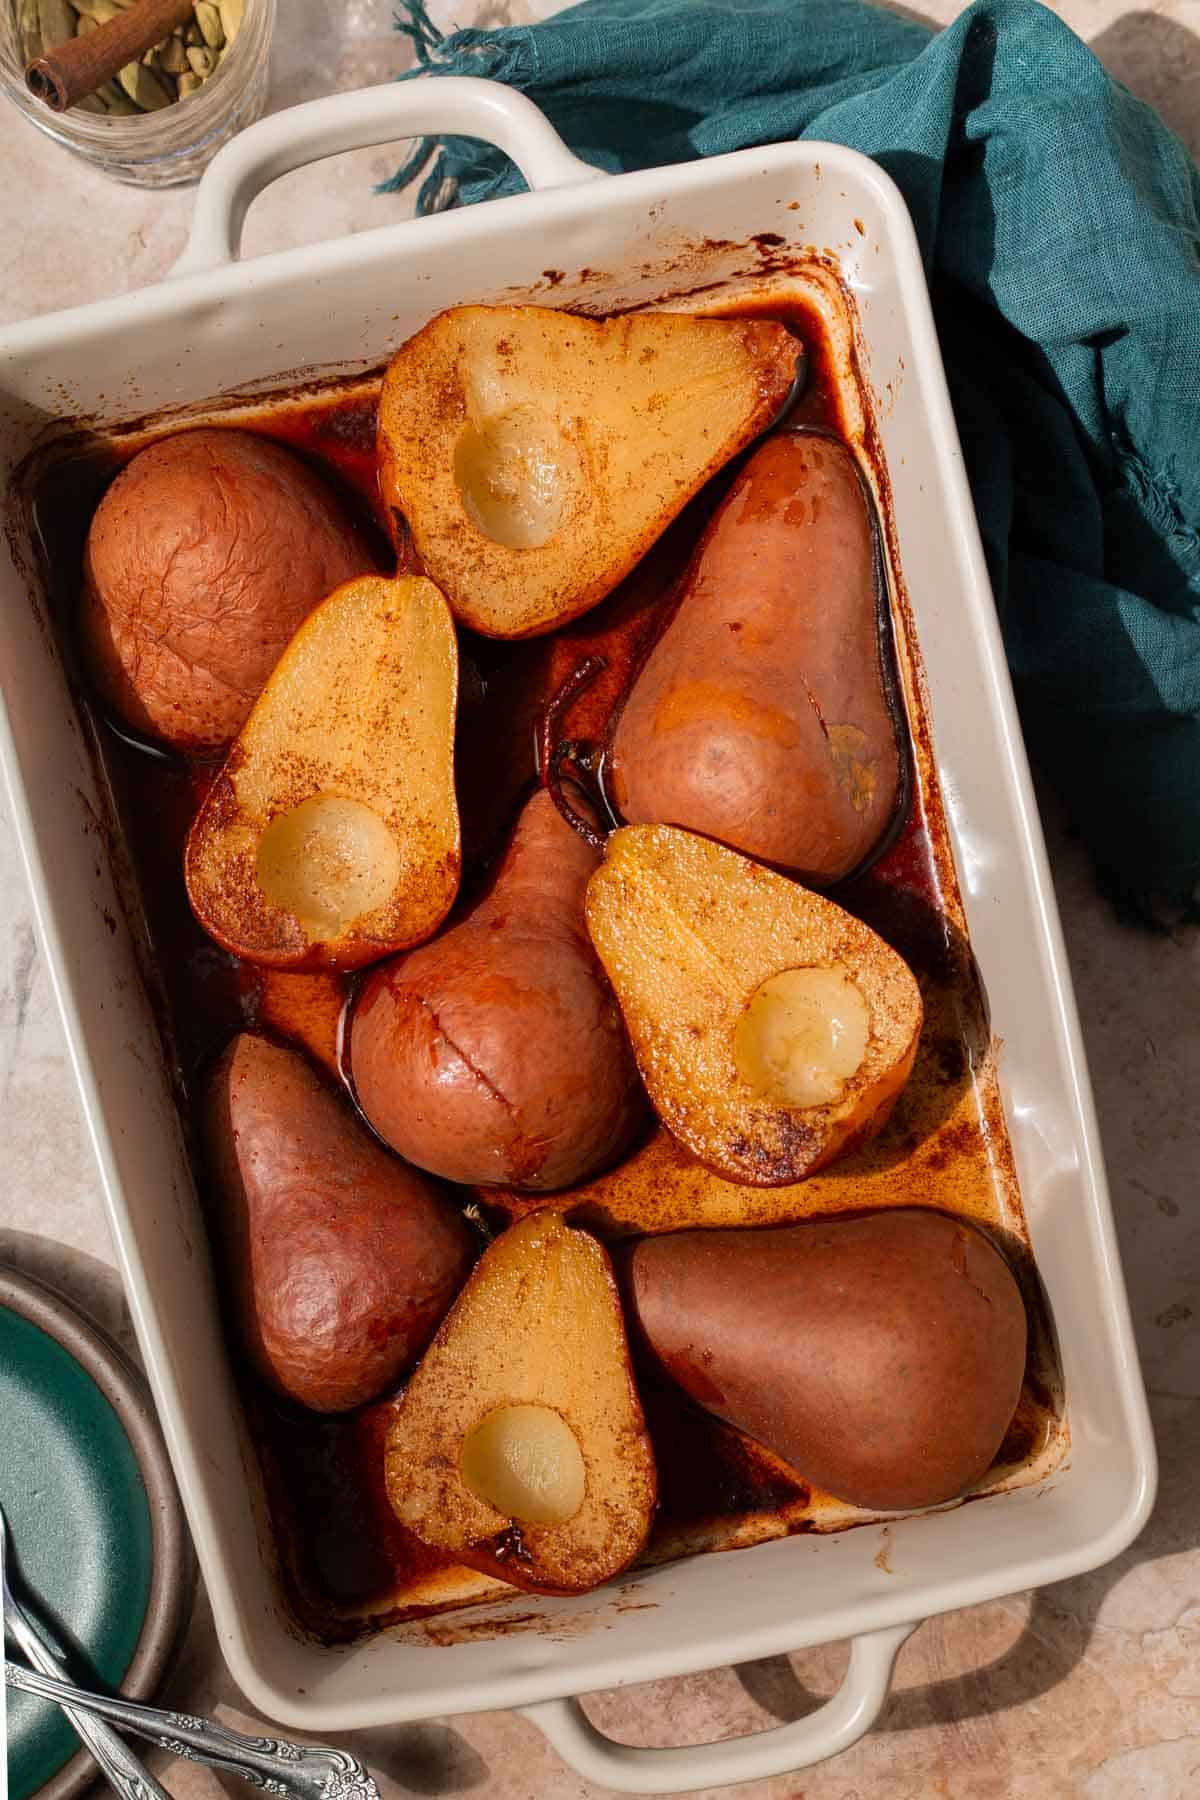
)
(298, 1771)
(121, 1768)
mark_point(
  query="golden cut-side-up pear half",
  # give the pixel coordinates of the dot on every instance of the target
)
(772, 1029)
(331, 835)
(519, 1445)
(536, 456)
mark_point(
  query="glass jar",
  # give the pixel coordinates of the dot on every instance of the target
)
(174, 144)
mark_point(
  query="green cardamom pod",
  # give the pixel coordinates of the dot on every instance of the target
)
(202, 61)
(173, 57)
(231, 12)
(56, 21)
(30, 25)
(117, 103)
(143, 87)
(209, 21)
(187, 84)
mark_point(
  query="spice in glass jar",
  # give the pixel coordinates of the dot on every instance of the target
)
(171, 70)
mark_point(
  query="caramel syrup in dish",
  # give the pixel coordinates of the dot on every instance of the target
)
(348, 1564)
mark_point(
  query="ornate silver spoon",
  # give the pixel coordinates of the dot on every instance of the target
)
(298, 1771)
(121, 1768)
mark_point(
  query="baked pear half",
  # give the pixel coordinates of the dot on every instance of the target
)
(536, 456)
(331, 835)
(519, 1445)
(772, 1029)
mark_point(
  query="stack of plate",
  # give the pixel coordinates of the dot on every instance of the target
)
(97, 1536)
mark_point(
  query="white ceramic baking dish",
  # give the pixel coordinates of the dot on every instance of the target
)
(223, 325)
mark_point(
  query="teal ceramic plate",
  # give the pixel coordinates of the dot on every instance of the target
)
(95, 1528)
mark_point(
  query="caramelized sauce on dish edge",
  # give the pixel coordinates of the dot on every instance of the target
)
(348, 1564)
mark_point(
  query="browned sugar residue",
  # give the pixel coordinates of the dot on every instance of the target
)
(349, 1566)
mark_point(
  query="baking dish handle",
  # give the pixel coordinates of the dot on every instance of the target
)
(448, 106)
(632, 1769)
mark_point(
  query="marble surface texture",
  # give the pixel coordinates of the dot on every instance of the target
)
(1088, 1688)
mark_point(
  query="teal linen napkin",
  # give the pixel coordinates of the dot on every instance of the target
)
(1059, 220)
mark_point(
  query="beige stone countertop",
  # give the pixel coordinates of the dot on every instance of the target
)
(1090, 1687)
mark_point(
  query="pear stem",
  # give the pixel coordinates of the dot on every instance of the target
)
(557, 754)
(576, 683)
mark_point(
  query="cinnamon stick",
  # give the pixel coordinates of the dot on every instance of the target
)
(64, 76)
